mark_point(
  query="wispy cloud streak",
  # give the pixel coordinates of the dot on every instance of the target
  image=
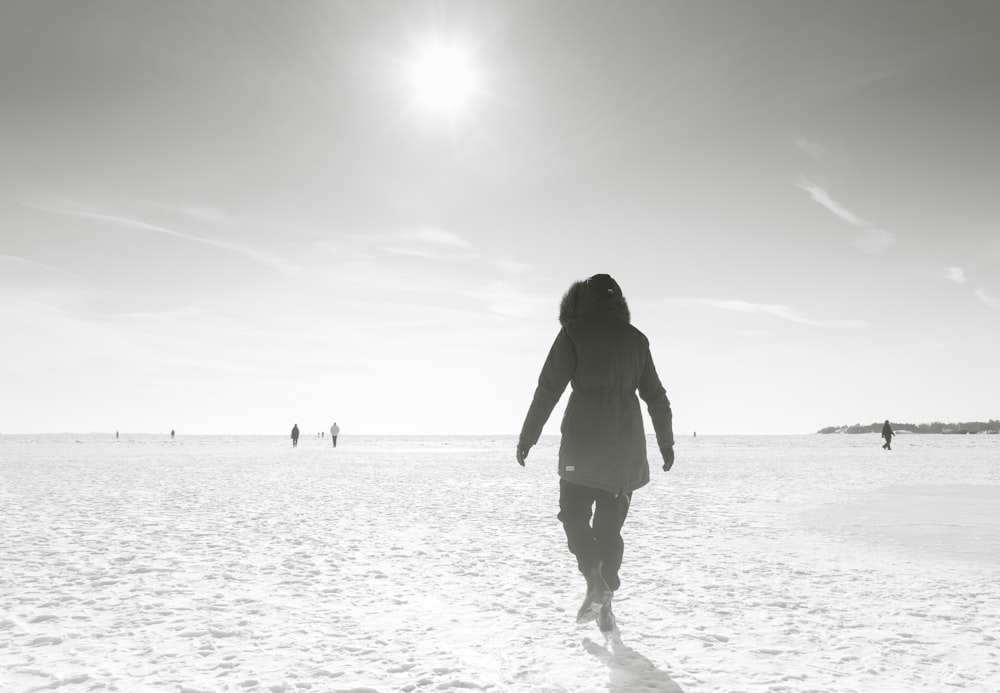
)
(434, 236)
(514, 267)
(872, 240)
(506, 299)
(37, 265)
(428, 242)
(958, 276)
(823, 198)
(987, 298)
(955, 274)
(814, 150)
(262, 257)
(779, 311)
(168, 315)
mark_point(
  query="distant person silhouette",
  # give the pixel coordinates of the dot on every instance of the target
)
(295, 435)
(887, 434)
(334, 432)
(602, 453)
(171, 433)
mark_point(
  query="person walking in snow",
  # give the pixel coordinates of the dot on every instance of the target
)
(295, 435)
(602, 451)
(334, 432)
(888, 434)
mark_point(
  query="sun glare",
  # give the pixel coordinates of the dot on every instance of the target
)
(443, 78)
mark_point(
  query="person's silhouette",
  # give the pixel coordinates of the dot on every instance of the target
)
(602, 452)
(888, 434)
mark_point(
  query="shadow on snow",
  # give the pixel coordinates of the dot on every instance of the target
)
(629, 671)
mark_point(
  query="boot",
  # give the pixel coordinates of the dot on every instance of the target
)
(606, 619)
(598, 594)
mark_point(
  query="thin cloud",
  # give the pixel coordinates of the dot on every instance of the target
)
(872, 240)
(505, 299)
(783, 312)
(434, 236)
(955, 274)
(428, 242)
(823, 198)
(426, 253)
(206, 213)
(814, 150)
(514, 267)
(987, 298)
(194, 210)
(164, 316)
(36, 265)
(254, 254)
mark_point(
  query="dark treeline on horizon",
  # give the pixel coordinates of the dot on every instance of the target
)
(991, 426)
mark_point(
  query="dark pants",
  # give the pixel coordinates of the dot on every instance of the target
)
(598, 543)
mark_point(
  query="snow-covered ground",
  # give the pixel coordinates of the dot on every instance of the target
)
(810, 563)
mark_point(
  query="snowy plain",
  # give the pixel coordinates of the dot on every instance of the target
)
(215, 563)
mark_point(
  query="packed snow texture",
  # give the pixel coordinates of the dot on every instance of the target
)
(808, 563)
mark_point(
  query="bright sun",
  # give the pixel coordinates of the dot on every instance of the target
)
(443, 78)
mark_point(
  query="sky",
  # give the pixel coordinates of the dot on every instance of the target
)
(229, 217)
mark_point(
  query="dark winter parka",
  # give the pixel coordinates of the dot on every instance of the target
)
(606, 360)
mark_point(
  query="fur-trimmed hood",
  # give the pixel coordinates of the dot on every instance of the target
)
(586, 294)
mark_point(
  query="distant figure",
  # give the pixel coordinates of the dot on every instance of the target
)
(334, 432)
(695, 434)
(602, 455)
(171, 433)
(116, 434)
(887, 434)
(295, 435)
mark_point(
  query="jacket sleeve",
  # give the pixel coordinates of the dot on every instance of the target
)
(652, 393)
(556, 373)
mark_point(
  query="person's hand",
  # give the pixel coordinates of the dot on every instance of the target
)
(522, 454)
(668, 458)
